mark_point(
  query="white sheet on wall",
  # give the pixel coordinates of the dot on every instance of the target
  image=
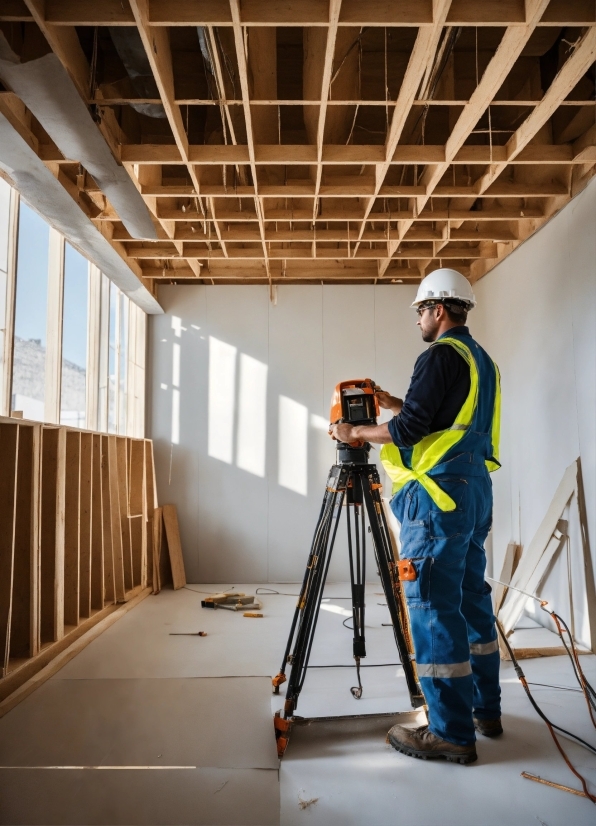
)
(248, 464)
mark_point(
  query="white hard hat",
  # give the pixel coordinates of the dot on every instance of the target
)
(444, 284)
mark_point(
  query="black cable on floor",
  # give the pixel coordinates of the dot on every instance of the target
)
(368, 665)
(551, 726)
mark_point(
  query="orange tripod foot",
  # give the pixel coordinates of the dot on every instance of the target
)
(282, 733)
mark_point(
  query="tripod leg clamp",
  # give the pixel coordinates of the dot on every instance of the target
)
(407, 571)
(277, 681)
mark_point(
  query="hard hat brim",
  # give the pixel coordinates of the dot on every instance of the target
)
(469, 304)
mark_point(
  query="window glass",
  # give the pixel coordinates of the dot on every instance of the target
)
(113, 360)
(103, 382)
(122, 371)
(29, 359)
(74, 339)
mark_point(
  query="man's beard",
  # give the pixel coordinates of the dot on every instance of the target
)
(430, 334)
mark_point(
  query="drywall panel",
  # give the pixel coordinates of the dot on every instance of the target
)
(177, 410)
(300, 451)
(535, 317)
(239, 391)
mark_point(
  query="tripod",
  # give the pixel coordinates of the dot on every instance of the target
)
(355, 483)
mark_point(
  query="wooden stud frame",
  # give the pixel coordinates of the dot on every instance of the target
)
(75, 516)
(424, 132)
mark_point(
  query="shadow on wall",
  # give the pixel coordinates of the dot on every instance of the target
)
(237, 415)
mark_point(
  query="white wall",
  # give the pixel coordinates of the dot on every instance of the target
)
(236, 524)
(536, 316)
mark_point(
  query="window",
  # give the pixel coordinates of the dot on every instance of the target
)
(113, 360)
(123, 363)
(30, 325)
(74, 339)
(72, 345)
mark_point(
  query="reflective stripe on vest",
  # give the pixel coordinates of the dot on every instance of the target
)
(444, 670)
(430, 450)
(477, 648)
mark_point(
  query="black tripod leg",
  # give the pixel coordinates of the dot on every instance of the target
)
(357, 573)
(280, 677)
(308, 609)
(390, 579)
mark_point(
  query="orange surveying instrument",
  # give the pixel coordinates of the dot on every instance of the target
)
(354, 482)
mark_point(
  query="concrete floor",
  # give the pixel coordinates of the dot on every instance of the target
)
(197, 710)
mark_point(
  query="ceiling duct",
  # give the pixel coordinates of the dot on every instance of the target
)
(131, 52)
(48, 197)
(46, 89)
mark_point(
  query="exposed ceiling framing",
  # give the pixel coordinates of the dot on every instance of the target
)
(323, 140)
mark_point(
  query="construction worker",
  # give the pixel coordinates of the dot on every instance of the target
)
(438, 450)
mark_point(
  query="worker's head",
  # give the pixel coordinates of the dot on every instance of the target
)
(443, 300)
(434, 316)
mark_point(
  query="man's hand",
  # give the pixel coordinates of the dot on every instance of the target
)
(343, 432)
(389, 402)
(377, 434)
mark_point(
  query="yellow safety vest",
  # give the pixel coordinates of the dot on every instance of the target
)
(431, 450)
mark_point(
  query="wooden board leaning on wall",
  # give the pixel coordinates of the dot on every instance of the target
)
(76, 538)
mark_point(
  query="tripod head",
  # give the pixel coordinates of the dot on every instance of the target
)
(354, 402)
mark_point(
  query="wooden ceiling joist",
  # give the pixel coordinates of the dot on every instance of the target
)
(325, 140)
(166, 13)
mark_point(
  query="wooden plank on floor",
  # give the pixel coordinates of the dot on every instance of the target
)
(170, 521)
(97, 567)
(9, 451)
(122, 460)
(24, 598)
(157, 529)
(85, 511)
(72, 527)
(53, 459)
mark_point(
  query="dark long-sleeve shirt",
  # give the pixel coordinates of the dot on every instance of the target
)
(438, 389)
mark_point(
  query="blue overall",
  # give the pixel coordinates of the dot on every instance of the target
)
(451, 615)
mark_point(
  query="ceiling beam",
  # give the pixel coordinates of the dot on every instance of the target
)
(422, 55)
(306, 13)
(510, 48)
(243, 72)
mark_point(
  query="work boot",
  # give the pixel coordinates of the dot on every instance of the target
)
(421, 742)
(490, 728)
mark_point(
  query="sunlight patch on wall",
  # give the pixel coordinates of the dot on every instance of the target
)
(252, 415)
(293, 445)
(222, 381)
(175, 394)
(319, 423)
